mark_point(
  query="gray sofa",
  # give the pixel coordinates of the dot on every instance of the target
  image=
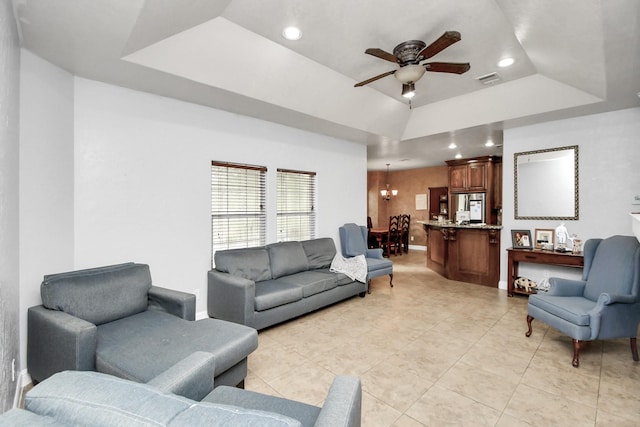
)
(113, 320)
(262, 286)
(95, 399)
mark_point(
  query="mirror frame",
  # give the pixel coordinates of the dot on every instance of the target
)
(575, 190)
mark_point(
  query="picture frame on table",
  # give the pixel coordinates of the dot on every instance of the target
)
(544, 238)
(521, 239)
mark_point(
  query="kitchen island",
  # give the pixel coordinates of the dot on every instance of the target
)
(467, 253)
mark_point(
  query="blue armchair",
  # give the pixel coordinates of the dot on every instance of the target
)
(353, 242)
(605, 304)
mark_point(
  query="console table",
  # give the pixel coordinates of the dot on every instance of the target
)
(537, 256)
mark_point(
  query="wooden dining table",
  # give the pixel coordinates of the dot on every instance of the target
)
(378, 232)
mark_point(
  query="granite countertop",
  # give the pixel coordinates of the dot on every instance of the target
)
(453, 225)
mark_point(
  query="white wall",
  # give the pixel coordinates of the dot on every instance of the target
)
(46, 179)
(9, 212)
(143, 179)
(609, 158)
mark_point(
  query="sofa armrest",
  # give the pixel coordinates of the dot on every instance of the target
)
(566, 287)
(181, 304)
(58, 341)
(343, 405)
(230, 297)
(192, 377)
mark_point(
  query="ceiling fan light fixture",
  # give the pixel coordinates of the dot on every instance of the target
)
(409, 90)
(410, 73)
(292, 33)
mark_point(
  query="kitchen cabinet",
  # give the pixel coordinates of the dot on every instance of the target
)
(465, 253)
(478, 175)
(438, 202)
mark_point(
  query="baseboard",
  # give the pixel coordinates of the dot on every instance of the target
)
(23, 384)
(202, 315)
(502, 285)
(418, 248)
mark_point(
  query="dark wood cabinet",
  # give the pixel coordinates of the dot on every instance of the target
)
(467, 254)
(438, 202)
(478, 175)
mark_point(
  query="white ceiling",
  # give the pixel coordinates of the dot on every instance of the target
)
(573, 57)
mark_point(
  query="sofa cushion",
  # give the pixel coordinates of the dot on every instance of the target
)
(311, 282)
(91, 398)
(287, 258)
(305, 413)
(99, 295)
(19, 417)
(250, 263)
(319, 252)
(272, 293)
(143, 346)
(341, 279)
(210, 414)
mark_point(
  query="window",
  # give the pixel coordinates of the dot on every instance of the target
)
(238, 215)
(296, 205)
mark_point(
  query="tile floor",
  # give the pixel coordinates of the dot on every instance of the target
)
(434, 352)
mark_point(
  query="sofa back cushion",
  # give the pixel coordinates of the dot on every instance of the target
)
(319, 252)
(99, 295)
(287, 258)
(250, 263)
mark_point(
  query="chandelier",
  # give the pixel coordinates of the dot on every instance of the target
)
(386, 193)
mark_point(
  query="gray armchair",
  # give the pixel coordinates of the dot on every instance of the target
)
(353, 242)
(112, 320)
(605, 304)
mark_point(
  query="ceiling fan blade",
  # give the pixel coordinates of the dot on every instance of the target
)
(381, 54)
(373, 79)
(448, 67)
(445, 40)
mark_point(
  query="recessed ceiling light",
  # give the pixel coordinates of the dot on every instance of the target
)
(458, 156)
(506, 62)
(292, 33)
(452, 145)
(489, 144)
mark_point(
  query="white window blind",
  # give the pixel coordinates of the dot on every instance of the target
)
(238, 212)
(296, 205)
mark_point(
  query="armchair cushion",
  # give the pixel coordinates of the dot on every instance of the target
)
(250, 263)
(287, 258)
(99, 295)
(572, 309)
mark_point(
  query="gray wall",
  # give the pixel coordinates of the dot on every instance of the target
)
(9, 147)
(608, 179)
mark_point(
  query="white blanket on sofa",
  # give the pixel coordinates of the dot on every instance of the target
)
(355, 268)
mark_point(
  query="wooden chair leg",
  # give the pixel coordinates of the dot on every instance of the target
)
(576, 353)
(529, 320)
(634, 348)
(391, 280)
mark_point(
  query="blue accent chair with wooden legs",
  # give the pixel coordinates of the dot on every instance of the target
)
(605, 304)
(353, 242)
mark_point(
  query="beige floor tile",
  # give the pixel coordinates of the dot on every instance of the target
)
(440, 407)
(433, 352)
(482, 386)
(540, 408)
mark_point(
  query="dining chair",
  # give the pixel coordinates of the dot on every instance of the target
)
(405, 221)
(393, 241)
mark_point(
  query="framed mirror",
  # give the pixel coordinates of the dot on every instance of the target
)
(546, 184)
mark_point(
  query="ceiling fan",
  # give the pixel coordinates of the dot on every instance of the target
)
(409, 54)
